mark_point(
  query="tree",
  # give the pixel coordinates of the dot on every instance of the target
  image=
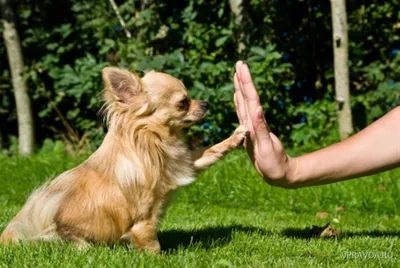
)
(288, 47)
(16, 63)
(341, 68)
(239, 9)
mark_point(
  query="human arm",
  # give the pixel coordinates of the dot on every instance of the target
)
(374, 149)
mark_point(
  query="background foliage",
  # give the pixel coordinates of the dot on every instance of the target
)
(288, 48)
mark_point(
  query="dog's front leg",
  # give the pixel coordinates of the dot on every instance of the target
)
(206, 157)
(144, 236)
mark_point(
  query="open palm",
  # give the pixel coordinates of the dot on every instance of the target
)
(263, 147)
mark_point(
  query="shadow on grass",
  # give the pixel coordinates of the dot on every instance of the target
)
(307, 234)
(171, 240)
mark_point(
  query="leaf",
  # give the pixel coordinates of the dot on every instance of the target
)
(396, 87)
(51, 46)
(325, 231)
(341, 208)
(174, 26)
(55, 73)
(220, 12)
(376, 112)
(221, 41)
(311, 254)
(381, 188)
(199, 85)
(321, 215)
(258, 50)
(275, 55)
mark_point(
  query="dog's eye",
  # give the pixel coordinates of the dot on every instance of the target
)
(184, 104)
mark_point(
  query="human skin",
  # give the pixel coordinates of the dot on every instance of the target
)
(374, 149)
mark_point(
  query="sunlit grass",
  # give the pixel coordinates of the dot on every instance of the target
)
(229, 218)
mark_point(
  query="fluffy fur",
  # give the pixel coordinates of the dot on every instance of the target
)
(120, 190)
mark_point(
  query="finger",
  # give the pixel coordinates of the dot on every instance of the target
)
(238, 113)
(241, 113)
(249, 92)
(276, 143)
(248, 144)
(248, 122)
(238, 67)
(240, 96)
(239, 102)
(274, 138)
(243, 110)
(261, 128)
(244, 113)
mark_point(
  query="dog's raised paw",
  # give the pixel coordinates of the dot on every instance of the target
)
(240, 135)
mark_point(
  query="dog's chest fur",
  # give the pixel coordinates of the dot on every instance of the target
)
(149, 172)
(168, 168)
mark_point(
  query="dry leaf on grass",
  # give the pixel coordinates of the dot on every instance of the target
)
(341, 208)
(381, 188)
(325, 231)
(312, 254)
(321, 215)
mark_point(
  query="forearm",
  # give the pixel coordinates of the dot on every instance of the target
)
(374, 149)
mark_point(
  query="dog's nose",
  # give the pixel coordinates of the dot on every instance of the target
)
(204, 105)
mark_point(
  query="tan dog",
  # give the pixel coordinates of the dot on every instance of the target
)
(119, 192)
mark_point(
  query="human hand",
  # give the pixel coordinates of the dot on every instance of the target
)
(263, 147)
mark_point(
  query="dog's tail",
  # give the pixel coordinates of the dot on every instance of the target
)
(36, 219)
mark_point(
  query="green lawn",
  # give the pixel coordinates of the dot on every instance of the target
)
(230, 218)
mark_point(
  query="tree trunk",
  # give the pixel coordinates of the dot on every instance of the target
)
(340, 51)
(238, 8)
(16, 62)
(121, 20)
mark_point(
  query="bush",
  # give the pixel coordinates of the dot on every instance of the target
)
(288, 47)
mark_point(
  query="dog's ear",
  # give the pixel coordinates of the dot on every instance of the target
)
(122, 84)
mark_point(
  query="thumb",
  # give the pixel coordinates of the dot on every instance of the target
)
(261, 128)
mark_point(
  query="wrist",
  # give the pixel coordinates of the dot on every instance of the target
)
(293, 173)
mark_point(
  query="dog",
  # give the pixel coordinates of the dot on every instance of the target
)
(121, 190)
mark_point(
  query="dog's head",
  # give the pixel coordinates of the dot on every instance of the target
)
(158, 96)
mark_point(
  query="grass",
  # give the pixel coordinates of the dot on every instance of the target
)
(229, 218)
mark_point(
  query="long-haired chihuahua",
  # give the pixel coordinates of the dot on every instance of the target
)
(119, 192)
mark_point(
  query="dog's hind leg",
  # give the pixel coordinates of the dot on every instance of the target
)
(10, 235)
(81, 244)
(144, 236)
